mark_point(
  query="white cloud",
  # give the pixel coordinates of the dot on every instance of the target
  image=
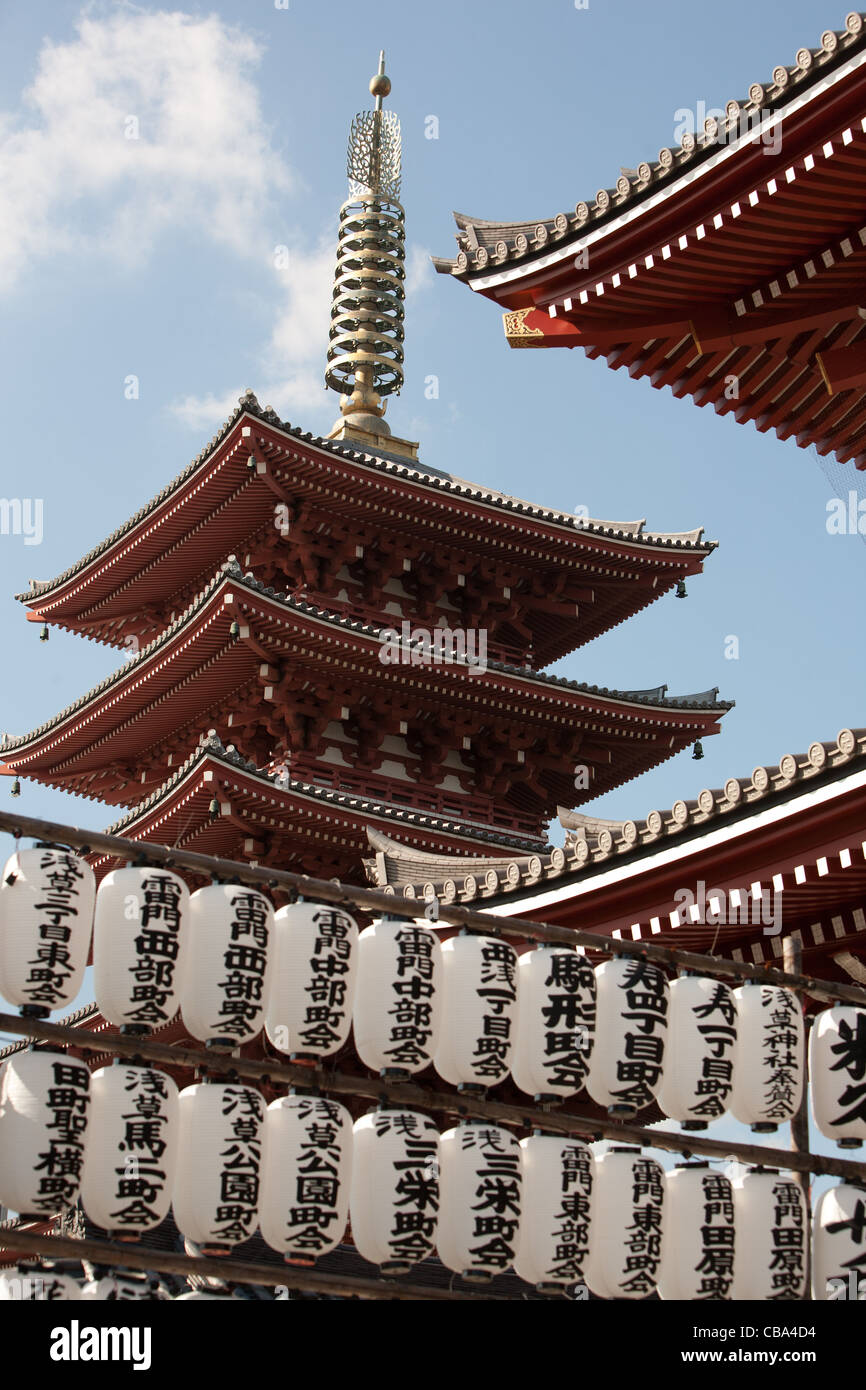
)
(74, 182)
(72, 178)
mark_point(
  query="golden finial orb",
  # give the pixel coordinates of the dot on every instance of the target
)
(380, 85)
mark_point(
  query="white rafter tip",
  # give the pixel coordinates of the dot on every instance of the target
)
(800, 873)
(822, 866)
(845, 858)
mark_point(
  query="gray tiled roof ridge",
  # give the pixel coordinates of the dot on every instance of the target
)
(598, 843)
(501, 242)
(231, 570)
(248, 404)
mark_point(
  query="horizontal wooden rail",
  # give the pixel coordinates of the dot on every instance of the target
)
(374, 900)
(414, 1095)
(233, 1271)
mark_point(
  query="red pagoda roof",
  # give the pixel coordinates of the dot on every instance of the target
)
(730, 270)
(784, 848)
(544, 581)
(294, 670)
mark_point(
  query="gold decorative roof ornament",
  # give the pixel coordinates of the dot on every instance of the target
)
(365, 353)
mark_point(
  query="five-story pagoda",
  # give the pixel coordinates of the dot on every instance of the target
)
(331, 638)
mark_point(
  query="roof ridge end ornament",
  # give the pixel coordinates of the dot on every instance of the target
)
(365, 352)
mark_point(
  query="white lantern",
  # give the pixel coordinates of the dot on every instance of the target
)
(837, 1069)
(698, 1241)
(394, 1195)
(555, 1022)
(225, 978)
(138, 946)
(768, 1057)
(398, 996)
(312, 983)
(556, 1215)
(35, 1285)
(628, 1226)
(839, 1244)
(698, 1067)
(771, 1235)
(481, 1178)
(479, 1015)
(306, 1171)
(216, 1185)
(632, 1002)
(131, 1152)
(44, 1101)
(46, 918)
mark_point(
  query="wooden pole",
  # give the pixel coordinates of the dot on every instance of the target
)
(234, 1271)
(374, 900)
(413, 1095)
(792, 959)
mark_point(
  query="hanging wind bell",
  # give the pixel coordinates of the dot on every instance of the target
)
(138, 946)
(837, 1069)
(626, 1240)
(306, 1172)
(215, 1195)
(312, 982)
(557, 1212)
(771, 1235)
(479, 1013)
(839, 1243)
(697, 1260)
(46, 917)
(480, 1199)
(768, 1057)
(698, 1067)
(223, 989)
(394, 1196)
(555, 1022)
(398, 996)
(131, 1153)
(631, 1026)
(44, 1101)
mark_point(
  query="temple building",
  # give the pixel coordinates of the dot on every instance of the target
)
(729, 269)
(326, 641)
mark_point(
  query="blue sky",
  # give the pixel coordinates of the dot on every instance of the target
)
(155, 258)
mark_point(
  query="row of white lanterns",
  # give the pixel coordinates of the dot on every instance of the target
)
(471, 1005)
(129, 1145)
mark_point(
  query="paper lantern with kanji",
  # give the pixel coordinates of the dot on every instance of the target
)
(129, 1165)
(626, 1238)
(839, 1244)
(306, 1172)
(768, 1057)
(632, 1005)
(139, 946)
(699, 1234)
(771, 1237)
(556, 1211)
(698, 1067)
(481, 1180)
(312, 980)
(837, 1070)
(479, 1015)
(46, 921)
(216, 1185)
(31, 1284)
(555, 1022)
(44, 1105)
(398, 996)
(131, 1286)
(394, 1194)
(225, 978)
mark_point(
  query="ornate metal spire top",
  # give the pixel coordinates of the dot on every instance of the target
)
(365, 355)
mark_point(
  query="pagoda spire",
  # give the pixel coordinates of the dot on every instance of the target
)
(365, 353)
